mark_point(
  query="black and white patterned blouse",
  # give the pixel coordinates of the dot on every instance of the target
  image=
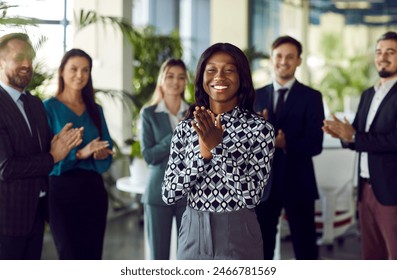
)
(236, 175)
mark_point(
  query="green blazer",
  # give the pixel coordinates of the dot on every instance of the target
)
(155, 146)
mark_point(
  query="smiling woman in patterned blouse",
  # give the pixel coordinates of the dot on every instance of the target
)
(220, 157)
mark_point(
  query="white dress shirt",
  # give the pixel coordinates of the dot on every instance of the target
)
(381, 91)
(277, 86)
(174, 119)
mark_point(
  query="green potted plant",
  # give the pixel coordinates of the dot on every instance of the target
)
(138, 167)
(343, 76)
(135, 149)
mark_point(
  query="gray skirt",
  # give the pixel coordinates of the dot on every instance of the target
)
(234, 235)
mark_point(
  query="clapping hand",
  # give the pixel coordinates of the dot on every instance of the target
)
(338, 129)
(209, 130)
(102, 153)
(280, 141)
(265, 114)
(67, 139)
(95, 146)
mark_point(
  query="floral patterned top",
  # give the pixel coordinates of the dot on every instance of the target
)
(236, 175)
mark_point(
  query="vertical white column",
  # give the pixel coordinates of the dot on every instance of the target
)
(305, 40)
(112, 56)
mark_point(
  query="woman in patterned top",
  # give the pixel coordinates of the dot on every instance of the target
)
(220, 158)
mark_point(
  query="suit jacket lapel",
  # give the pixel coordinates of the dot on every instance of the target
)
(271, 99)
(163, 120)
(270, 103)
(385, 100)
(11, 109)
(366, 104)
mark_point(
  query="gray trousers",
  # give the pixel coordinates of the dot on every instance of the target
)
(158, 223)
(234, 235)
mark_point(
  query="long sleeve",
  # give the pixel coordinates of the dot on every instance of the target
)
(103, 165)
(382, 134)
(236, 175)
(15, 165)
(155, 137)
(19, 156)
(58, 115)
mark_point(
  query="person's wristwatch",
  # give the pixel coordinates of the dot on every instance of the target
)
(354, 137)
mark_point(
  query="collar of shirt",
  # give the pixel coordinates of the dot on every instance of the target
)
(11, 91)
(287, 85)
(277, 86)
(386, 86)
(162, 108)
(232, 114)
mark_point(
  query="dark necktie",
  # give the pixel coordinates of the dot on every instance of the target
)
(30, 117)
(280, 101)
(33, 127)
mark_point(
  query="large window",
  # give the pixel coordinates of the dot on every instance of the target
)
(265, 22)
(338, 39)
(53, 25)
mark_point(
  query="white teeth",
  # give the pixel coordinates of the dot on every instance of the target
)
(220, 87)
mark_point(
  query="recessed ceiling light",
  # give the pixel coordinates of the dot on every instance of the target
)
(378, 19)
(344, 5)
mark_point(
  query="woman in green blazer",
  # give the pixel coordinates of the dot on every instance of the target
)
(158, 121)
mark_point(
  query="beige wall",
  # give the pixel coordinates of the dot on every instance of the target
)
(112, 54)
(229, 22)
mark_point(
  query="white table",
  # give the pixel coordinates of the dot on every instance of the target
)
(126, 184)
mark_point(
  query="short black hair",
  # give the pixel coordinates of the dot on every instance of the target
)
(287, 40)
(390, 35)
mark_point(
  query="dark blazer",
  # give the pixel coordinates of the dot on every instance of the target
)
(380, 143)
(24, 165)
(155, 146)
(301, 120)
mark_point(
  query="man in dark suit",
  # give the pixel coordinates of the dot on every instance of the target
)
(27, 152)
(374, 135)
(296, 112)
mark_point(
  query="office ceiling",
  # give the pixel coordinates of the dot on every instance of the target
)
(370, 12)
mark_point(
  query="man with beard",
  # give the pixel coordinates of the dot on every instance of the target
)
(373, 134)
(296, 112)
(28, 152)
